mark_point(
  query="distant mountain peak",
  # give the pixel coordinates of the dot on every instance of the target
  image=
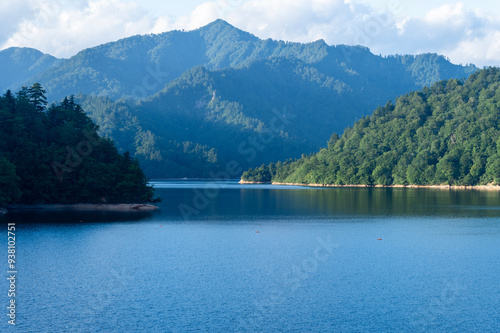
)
(219, 26)
(20, 63)
(139, 66)
(220, 22)
(21, 50)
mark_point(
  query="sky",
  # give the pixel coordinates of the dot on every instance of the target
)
(464, 31)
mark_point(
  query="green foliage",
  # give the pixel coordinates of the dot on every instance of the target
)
(9, 182)
(140, 66)
(19, 64)
(183, 102)
(445, 134)
(263, 174)
(219, 112)
(54, 155)
(171, 154)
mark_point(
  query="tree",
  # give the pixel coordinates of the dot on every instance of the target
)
(57, 156)
(333, 139)
(9, 182)
(445, 134)
(36, 95)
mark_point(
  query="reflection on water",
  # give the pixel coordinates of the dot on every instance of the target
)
(233, 199)
(61, 216)
(260, 258)
(229, 199)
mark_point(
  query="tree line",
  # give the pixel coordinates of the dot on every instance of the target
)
(444, 134)
(54, 155)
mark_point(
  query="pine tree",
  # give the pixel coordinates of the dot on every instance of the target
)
(36, 96)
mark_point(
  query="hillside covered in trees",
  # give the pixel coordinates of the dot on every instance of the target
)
(140, 66)
(446, 134)
(205, 118)
(185, 103)
(54, 155)
(19, 64)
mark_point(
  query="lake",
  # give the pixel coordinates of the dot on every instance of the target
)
(225, 257)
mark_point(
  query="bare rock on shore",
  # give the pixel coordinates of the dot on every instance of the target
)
(249, 182)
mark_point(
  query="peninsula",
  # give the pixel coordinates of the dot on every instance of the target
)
(443, 136)
(53, 156)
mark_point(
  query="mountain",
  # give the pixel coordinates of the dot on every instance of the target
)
(445, 134)
(186, 103)
(222, 115)
(140, 66)
(20, 64)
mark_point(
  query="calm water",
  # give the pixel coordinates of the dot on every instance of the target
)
(222, 257)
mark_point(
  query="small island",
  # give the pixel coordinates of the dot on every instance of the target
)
(53, 158)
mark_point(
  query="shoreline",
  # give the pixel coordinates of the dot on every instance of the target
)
(248, 182)
(440, 187)
(81, 207)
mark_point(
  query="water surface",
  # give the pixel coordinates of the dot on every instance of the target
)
(225, 257)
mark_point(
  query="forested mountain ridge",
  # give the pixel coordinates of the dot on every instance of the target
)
(187, 102)
(20, 64)
(54, 155)
(203, 119)
(140, 66)
(446, 134)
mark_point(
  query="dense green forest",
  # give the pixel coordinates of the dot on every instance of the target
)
(187, 103)
(140, 66)
(446, 134)
(18, 64)
(54, 155)
(205, 118)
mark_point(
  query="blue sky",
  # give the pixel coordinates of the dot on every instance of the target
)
(465, 31)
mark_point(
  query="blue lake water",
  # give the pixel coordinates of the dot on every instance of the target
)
(225, 257)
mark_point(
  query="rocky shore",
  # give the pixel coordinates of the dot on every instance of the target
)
(247, 182)
(441, 187)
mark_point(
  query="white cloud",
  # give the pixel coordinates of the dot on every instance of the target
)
(203, 14)
(11, 13)
(484, 50)
(337, 22)
(298, 20)
(63, 28)
(465, 35)
(462, 33)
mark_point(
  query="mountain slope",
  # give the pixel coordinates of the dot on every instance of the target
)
(229, 115)
(140, 66)
(446, 134)
(187, 103)
(20, 64)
